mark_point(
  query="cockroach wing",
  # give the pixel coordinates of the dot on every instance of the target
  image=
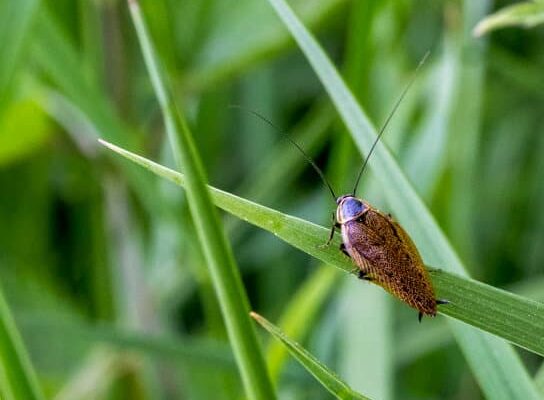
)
(386, 255)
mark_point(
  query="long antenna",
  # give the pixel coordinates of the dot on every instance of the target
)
(389, 117)
(306, 156)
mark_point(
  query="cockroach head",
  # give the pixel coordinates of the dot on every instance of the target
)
(349, 208)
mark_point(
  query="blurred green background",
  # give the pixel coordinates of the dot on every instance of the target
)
(99, 261)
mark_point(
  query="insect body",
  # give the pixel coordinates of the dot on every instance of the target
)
(381, 249)
(384, 253)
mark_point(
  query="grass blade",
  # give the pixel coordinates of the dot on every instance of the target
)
(472, 302)
(17, 377)
(505, 379)
(326, 377)
(527, 15)
(514, 318)
(223, 270)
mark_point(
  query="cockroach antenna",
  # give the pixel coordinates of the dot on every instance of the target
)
(389, 117)
(286, 135)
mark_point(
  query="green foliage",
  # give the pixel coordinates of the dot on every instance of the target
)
(104, 266)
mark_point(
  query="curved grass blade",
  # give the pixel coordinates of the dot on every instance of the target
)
(491, 309)
(223, 270)
(325, 376)
(17, 377)
(527, 15)
(506, 378)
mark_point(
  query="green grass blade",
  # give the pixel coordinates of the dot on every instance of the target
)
(17, 377)
(325, 376)
(465, 136)
(223, 270)
(414, 344)
(506, 379)
(483, 306)
(527, 15)
(514, 318)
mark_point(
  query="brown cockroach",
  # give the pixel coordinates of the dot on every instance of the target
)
(380, 248)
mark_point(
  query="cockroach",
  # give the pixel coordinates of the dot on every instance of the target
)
(380, 248)
(384, 253)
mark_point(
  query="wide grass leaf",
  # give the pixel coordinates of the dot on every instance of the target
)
(325, 376)
(515, 318)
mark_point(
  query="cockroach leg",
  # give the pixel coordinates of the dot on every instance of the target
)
(420, 315)
(331, 234)
(442, 301)
(363, 275)
(343, 249)
(329, 240)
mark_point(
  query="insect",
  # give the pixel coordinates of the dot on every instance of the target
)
(380, 248)
(384, 253)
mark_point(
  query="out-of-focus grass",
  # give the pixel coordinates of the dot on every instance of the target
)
(98, 249)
